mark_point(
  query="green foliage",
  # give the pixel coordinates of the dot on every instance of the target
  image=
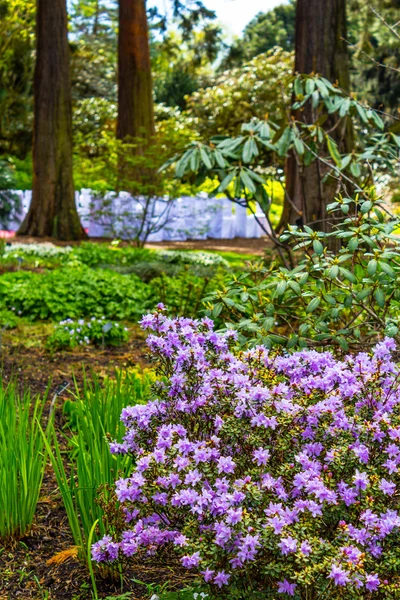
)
(22, 460)
(261, 87)
(264, 32)
(104, 163)
(184, 293)
(69, 334)
(74, 292)
(375, 52)
(244, 164)
(17, 23)
(93, 415)
(348, 298)
(98, 280)
(8, 319)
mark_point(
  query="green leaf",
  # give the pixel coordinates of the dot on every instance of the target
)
(387, 269)
(281, 288)
(377, 120)
(364, 294)
(342, 343)
(371, 267)
(226, 181)
(299, 146)
(334, 151)
(330, 299)
(353, 244)
(292, 342)
(265, 130)
(295, 287)
(298, 87)
(348, 275)
(380, 297)
(332, 206)
(205, 158)
(247, 181)
(247, 153)
(310, 86)
(344, 107)
(355, 170)
(318, 247)
(313, 305)
(283, 143)
(277, 339)
(362, 113)
(315, 99)
(220, 159)
(333, 272)
(366, 207)
(348, 301)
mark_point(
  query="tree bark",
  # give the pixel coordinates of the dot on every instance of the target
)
(135, 90)
(52, 212)
(319, 48)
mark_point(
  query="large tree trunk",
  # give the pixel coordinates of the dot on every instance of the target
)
(53, 210)
(320, 48)
(135, 95)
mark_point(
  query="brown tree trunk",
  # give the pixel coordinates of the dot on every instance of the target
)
(53, 211)
(135, 90)
(319, 48)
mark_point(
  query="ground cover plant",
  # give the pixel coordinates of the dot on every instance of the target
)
(69, 333)
(265, 474)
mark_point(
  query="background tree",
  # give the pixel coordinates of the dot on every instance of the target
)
(259, 88)
(320, 47)
(266, 30)
(135, 91)
(52, 211)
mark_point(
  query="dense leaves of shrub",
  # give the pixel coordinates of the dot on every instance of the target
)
(347, 298)
(277, 474)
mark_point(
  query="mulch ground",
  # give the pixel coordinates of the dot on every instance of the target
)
(24, 568)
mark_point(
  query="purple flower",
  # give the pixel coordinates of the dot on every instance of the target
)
(387, 487)
(261, 456)
(339, 575)
(221, 579)
(207, 575)
(361, 480)
(191, 561)
(372, 582)
(105, 550)
(234, 516)
(288, 545)
(305, 548)
(226, 465)
(284, 587)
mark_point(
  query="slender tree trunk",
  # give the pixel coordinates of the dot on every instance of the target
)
(135, 95)
(319, 48)
(53, 211)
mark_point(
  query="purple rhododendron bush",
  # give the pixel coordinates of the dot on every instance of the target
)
(269, 473)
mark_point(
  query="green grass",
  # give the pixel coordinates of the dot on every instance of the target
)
(22, 460)
(93, 418)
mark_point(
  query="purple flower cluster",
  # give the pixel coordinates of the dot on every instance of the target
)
(282, 469)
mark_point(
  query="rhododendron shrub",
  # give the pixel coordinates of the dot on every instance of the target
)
(275, 472)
